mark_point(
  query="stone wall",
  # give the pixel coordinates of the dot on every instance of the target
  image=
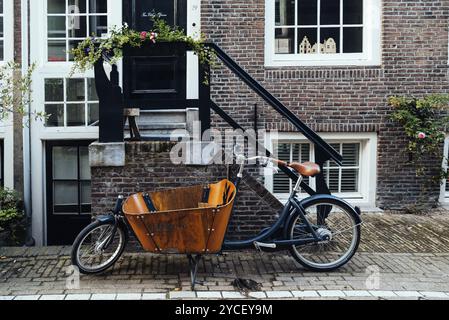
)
(148, 168)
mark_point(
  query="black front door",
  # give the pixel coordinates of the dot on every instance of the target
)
(154, 76)
(68, 190)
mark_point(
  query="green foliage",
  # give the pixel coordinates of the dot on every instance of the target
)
(15, 91)
(424, 121)
(90, 50)
(10, 209)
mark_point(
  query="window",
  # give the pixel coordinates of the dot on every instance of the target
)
(71, 102)
(6, 30)
(71, 180)
(355, 180)
(70, 21)
(308, 32)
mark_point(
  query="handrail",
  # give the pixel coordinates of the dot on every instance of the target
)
(330, 152)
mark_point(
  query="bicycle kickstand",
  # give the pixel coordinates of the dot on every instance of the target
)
(193, 266)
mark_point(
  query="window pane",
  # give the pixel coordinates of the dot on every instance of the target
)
(55, 113)
(285, 12)
(77, 6)
(65, 163)
(307, 12)
(330, 12)
(84, 163)
(98, 6)
(85, 192)
(65, 192)
(56, 6)
(56, 27)
(91, 90)
(307, 38)
(350, 154)
(349, 180)
(353, 40)
(284, 40)
(1, 27)
(75, 115)
(77, 26)
(1, 6)
(56, 50)
(75, 90)
(352, 11)
(72, 45)
(93, 115)
(330, 40)
(54, 90)
(98, 25)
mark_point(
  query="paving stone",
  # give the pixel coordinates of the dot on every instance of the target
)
(331, 293)
(435, 294)
(154, 296)
(5, 298)
(182, 294)
(305, 294)
(383, 294)
(208, 294)
(279, 294)
(408, 294)
(52, 297)
(77, 296)
(232, 295)
(129, 296)
(357, 293)
(27, 297)
(257, 294)
(103, 296)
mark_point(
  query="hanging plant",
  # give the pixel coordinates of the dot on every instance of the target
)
(90, 50)
(425, 122)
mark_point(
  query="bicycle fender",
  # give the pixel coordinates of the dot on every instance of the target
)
(105, 218)
(316, 199)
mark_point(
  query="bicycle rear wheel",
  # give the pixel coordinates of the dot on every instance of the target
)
(337, 223)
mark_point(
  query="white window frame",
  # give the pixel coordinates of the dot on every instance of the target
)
(371, 42)
(8, 31)
(444, 195)
(367, 172)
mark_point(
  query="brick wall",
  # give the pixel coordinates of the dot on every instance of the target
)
(148, 168)
(340, 99)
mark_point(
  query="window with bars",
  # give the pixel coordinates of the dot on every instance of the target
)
(2, 31)
(71, 102)
(342, 180)
(70, 21)
(446, 195)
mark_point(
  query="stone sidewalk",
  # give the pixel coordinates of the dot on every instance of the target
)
(400, 256)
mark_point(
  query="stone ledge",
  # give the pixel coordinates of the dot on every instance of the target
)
(107, 154)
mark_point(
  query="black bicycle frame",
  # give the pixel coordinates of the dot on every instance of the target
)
(268, 235)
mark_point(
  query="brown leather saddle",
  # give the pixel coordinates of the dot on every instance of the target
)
(306, 169)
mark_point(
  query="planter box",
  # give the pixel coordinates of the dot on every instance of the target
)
(154, 74)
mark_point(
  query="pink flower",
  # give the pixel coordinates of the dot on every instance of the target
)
(421, 135)
(143, 35)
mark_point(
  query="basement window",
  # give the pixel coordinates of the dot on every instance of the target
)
(354, 181)
(322, 32)
(445, 184)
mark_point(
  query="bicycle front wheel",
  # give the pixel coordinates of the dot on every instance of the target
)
(96, 248)
(338, 225)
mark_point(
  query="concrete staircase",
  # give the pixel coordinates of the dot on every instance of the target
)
(160, 124)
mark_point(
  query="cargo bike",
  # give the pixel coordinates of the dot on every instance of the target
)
(321, 232)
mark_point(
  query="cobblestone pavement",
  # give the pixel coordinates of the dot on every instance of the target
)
(400, 256)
